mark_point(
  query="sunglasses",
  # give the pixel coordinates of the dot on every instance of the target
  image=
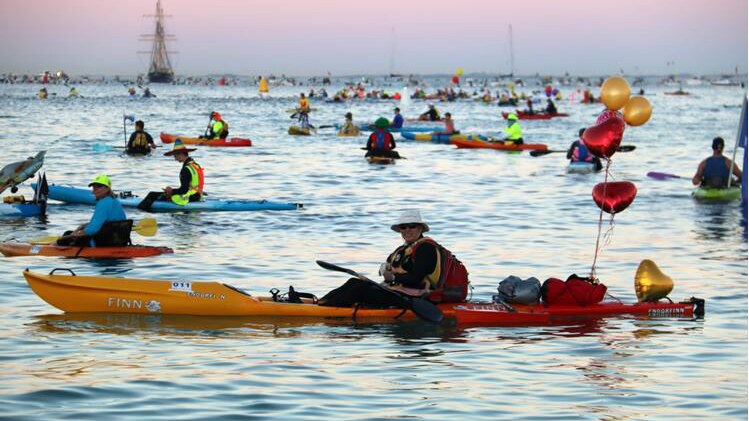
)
(409, 226)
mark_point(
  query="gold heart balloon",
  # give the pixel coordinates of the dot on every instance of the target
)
(650, 283)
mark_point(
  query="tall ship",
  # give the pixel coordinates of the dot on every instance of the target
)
(160, 70)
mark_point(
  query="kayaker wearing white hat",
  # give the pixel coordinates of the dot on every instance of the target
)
(413, 268)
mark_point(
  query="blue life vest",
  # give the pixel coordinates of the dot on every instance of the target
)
(716, 173)
(581, 154)
(380, 140)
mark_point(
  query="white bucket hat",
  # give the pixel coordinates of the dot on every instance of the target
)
(409, 217)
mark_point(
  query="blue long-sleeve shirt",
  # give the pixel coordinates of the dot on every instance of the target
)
(108, 209)
(397, 121)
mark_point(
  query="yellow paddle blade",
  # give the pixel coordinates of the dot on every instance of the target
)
(44, 240)
(146, 227)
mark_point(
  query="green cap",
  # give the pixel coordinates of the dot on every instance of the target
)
(101, 179)
(382, 123)
(512, 116)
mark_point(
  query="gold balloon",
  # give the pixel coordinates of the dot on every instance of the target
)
(650, 283)
(637, 111)
(615, 93)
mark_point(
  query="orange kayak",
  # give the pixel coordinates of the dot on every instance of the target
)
(12, 249)
(502, 146)
(230, 142)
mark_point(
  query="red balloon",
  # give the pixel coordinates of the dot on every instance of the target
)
(456, 80)
(619, 195)
(603, 139)
(607, 114)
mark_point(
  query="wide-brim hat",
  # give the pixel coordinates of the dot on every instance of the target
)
(409, 217)
(179, 147)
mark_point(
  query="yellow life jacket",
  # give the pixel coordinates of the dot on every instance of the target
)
(405, 253)
(196, 184)
(140, 142)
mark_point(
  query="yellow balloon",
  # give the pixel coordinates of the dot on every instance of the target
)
(650, 283)
(637, 111)
(615, 93)
(459, 72)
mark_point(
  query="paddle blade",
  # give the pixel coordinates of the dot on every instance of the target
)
(44, 240)
(331, 266)
(146, 227)
(542, 153)
(426, 310)
(661, 175)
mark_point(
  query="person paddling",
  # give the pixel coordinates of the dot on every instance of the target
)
(412, 269)
(349, 128)
(513, 131)
(217, 127)
(381, 142)
(449, 126)
(432, 114)
(578, 152)
(140, 143)
(715, 170)
(550, 107)
(108, 227)
(397, 119)
(191, 177)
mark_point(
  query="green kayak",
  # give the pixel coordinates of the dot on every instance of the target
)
(717, 195)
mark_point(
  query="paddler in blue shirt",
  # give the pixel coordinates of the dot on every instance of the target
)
(578, 152)
(397, 119)
(108, 227)
(714, 171)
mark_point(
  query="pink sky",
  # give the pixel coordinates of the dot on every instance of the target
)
(349, 36)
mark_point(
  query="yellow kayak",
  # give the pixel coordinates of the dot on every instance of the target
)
(101, 294)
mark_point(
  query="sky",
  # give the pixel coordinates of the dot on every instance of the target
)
(312, 37)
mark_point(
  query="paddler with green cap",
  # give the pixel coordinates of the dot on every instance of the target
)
(108, 227)
(381, 142)
(513, 131)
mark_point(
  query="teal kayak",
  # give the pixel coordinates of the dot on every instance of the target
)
(717, 195)
(84, 196)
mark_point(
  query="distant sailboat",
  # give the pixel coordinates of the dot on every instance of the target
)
(160, 70)
(512, 57)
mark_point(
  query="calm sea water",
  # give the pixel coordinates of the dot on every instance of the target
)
(502, 214)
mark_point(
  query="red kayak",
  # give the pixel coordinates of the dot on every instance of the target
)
(230, 142)
(500, 315)
(12, 249)
(502, 146)
(538, 116)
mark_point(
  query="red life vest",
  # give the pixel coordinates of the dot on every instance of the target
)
(380, 140)
(452, 276)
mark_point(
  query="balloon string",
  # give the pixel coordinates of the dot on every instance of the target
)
(600, 221)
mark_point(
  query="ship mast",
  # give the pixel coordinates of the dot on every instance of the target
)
(512, 55)
(160, 70)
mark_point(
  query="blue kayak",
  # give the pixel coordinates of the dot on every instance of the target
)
(16, 210)
(84, 196)
(581, 167)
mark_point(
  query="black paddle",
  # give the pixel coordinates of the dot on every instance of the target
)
(421, 307)
(622, 148)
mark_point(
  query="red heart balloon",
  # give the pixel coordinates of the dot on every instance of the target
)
(617, 197)
(607, 114)
(603, 139)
